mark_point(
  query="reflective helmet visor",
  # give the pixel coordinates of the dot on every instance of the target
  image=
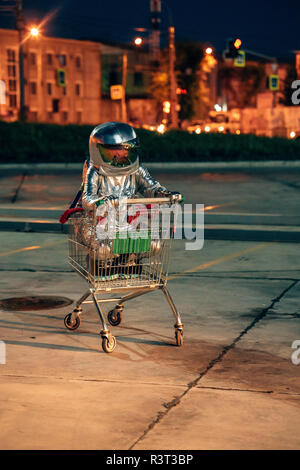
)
(121, 155)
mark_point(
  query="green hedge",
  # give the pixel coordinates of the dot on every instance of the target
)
(32, 142)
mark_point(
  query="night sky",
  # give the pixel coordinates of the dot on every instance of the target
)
(268, 27)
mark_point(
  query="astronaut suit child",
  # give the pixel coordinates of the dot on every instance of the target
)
(114, 171)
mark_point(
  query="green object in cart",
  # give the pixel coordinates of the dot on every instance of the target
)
(141, 244)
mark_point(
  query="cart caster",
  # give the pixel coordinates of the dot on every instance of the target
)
(70, 322)
(114, 316)
(109, 343)
(179, 337)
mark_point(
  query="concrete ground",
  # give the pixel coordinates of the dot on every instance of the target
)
(234, 384)
(231, 386)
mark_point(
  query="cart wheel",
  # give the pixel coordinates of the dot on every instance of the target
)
(179, 337)
(71, 325)
(114, 317)
(109, 344)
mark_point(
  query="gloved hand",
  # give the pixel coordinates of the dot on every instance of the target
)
(176, 197)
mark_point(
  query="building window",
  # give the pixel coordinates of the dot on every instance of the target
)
(138, 79)
(12, 85)
(12, 101)
(33, 88)
(11, 55)
(114, 78)
(78, 117)
(77, 89)
(55, 106)
(78, 62)
(32, 58)
(49, 88)
(11, 71)
(49, 58)
(64, 90)
(49, 116)
(64, 116)
(62, 59)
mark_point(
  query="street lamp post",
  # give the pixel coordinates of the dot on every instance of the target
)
(124, 80)
(173, 85)
(20, 26)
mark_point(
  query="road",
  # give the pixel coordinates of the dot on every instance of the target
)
(234, 384)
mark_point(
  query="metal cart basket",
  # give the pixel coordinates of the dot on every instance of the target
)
(131, 266)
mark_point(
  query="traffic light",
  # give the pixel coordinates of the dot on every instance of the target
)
(240, 59)
(61, 77)
(273, 82)
(233, 46)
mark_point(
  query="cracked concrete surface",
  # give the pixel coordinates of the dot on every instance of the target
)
(232, 385)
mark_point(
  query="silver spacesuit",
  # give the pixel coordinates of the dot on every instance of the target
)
(114, 171)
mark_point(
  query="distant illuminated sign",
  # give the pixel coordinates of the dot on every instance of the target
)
(116, 92)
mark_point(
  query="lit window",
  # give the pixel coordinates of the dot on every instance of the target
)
(62, 59)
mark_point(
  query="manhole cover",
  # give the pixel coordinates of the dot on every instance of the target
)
(40, 302)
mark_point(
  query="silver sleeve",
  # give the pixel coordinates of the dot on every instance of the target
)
(147, 185)
(91, 186)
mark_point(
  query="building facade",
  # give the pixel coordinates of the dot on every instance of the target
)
(62, 79)
(68, 81)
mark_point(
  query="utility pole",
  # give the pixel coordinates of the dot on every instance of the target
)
(124, 80)
(155, 8)
(172, 76)
(20, 26)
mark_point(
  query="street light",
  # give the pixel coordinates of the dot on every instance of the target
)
(208, 50)
(138, 41)
(34, 31)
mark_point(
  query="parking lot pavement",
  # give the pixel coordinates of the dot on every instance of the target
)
(231, 385)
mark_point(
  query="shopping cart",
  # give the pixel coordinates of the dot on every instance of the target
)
(131, 266)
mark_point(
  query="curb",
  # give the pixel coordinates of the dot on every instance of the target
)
(159, 165)
(245, 233)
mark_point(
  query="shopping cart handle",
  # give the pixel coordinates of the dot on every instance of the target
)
(144, 200)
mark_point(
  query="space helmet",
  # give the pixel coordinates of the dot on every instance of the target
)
(114, 149)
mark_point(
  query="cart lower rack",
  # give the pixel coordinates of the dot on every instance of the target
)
(130, 265)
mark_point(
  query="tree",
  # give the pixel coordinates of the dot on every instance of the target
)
(191, 76)
(240, 85)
